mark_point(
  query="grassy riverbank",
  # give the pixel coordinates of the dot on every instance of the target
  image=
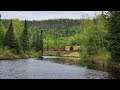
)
(6, 54)
(62, 53)
(102, 60)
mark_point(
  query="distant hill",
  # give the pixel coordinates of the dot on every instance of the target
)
(49, 24)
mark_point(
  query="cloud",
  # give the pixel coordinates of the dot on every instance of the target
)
(41, 15)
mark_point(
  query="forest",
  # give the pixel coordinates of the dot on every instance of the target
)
(99, 37)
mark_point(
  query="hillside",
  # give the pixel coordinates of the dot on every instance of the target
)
(49, 24)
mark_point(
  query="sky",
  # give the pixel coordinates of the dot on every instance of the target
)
(43, 15)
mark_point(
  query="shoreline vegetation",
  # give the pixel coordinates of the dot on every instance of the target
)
(6, 54)
(71, 57)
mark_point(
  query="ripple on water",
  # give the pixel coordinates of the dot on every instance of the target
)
(40, 69)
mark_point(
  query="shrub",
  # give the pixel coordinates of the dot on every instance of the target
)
(7, 54)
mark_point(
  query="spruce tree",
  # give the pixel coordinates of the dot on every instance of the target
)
(9, 39)
(113, 18)
(25, 38)
(41, 42)
(37, 44)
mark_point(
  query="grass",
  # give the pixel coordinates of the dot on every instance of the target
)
(50, 53)
(6, 54)
(29, 54)
(62, 53)
(105, 56)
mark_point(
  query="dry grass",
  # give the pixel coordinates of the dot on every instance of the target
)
(62, 53)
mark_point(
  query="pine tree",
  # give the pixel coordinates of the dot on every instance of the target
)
(25, 38)
(10, 40)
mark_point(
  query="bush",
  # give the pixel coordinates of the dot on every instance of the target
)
(84, 55)
(103, 56)
(7, 54)
(40, 55)
(29, 54)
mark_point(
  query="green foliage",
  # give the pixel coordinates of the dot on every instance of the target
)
(37, 43)
(29, 54)
(2, 34)
(93, 38)
(18, 27)
(57, 24)
(5, 53)
(54, 23)
(113, 22)
(49, 53)
(58, 53)
(41, 42)
(40, 54)
(25, 38)
(103, 56)
(10, 40)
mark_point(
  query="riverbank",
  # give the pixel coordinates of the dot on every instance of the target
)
(109, 64)
(72, 57)
(74, 54)
(6, 54)
(14, 57)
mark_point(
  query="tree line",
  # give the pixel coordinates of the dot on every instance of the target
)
(49, 24)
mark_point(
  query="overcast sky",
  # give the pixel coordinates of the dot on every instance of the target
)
(42, 15)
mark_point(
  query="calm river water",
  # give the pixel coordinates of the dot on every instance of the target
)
(47, 69)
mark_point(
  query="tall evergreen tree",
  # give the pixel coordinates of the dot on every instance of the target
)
(113, 18)
(37, 44)
(25, 38)
(41, 42)
(10, 40)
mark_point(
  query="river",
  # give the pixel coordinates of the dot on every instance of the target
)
(47, 69)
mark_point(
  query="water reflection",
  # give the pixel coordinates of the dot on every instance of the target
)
(113, 73)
